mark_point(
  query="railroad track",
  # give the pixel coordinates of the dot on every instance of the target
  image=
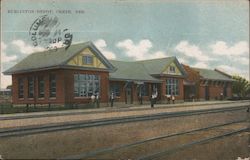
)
(165, 152)
(52, 114)
(109, 150)
(28, 130)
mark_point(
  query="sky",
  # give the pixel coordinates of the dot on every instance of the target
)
(201, 33)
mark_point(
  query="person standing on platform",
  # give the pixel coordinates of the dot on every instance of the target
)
(97, 98)
(112, 98)
(168, 98)
(173, 99)
(140, 98)
(156, 95)
(221, 96)
(92, 100)
(153, 99)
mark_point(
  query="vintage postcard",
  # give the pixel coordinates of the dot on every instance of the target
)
(125, 79)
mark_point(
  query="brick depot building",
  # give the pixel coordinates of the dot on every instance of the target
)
(71, 76)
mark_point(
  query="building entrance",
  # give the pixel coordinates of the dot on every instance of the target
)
(129, 96)
(189, 92)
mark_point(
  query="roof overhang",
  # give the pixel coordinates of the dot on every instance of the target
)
(135, 80)
(168, 75)
(206, 79)
(30, 70)
(55, 67)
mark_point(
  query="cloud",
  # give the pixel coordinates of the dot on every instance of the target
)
(241, 60)
(4, 57)
(193, 51)
(158, 54)
(200, 65)
(139, 51)
(224, 55)
(237, 53)
(238, 49)
(234, 71)
(227, 68)
(102, 46)
(5, 81)
(25, 48)
(3, 46)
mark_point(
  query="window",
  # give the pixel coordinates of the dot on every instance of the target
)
(86, 84)
(87, 59)
(115, 88)
(31, 87)
(52, 85)
(40, 87)
(172, 86)
(20, 88)
(143, 90)
(171, 69)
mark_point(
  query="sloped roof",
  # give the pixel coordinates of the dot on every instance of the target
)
(212, 74)
(130, 71)
(54, 58)
(142, 70)
(156, 66)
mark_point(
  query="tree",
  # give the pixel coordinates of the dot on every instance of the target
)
(241, 86)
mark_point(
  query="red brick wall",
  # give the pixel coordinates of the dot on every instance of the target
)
(215, 91)
(202, 92)
(181, 88)
(163, 88)
(59, 89)
(229, 90)
(64, 87)
(15, 89)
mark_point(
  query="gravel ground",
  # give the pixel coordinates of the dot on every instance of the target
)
(85, 117)
(163, 144)
(229, 148)
(71, 142)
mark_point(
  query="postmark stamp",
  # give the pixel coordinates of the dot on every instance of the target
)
(45, 31)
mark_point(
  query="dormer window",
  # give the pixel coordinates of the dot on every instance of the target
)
(172, 69)
(87, 59)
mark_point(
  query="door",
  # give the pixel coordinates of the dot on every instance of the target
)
(128, 95)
